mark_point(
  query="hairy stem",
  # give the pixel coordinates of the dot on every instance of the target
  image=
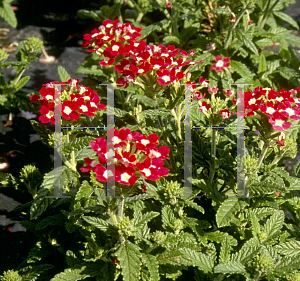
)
(229, 35)
(263, 154)
(213, 154)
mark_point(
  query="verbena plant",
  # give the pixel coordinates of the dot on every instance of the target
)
(151, 231)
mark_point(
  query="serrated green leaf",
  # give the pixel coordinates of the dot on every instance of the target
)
(91, 66)
(64, 76)
(84, 153)
(194, 206)
(225, 251)
(128, 256)
(171, 39)
(245, 254)
(241, 69)
(71, 274)
(151, 263)
(186, 257)
(84, 191)
(274, 224)
(42, 131)
(58, 219)
(85, 14)
(290, 248)
(227, 211)
(262, 65)
(231, 267)
(21, 83)
(247, 41)
(102, 224)
(40, 203)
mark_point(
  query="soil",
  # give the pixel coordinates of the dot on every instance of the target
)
(61, 31)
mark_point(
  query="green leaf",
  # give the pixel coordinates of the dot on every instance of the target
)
(84, 191)
(171, 39)
(227, 211)
(58, 219)
(287, 18)
(247, 41)
(84, 153)
(42, 131)
(186, 257)
(145, 218)
(71, 274)
(91, 66)
(102, 224)
(194, 206)
(64, 76)
(274, 224)
(241, 69)
(290, 248)
(128, 255)
(152, 265)
(40, 203)
(7, 12)
(232, 267)
(85, 14)
(245, 254)
(225, 250)
(21, 83)
(262, 65)
(148, 30)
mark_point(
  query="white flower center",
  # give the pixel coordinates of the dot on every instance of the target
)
(126, 37)
(115, 48)
(105, 37)
(84, 108)
(279, 122)
(145, 142)
(50, 114)
(220, 63)
(49, 97)
(93, 104)
(125, 177)
(115, 140)
(270, 110)
(166, 78)
(252, 101)
(67, 110)
(147, 172)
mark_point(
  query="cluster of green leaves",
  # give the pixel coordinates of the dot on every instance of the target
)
(10, 94)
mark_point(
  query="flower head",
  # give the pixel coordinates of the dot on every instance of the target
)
(220, 63)
(127, 148)
(76, 100)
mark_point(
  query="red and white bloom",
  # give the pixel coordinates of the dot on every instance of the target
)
(220, 63)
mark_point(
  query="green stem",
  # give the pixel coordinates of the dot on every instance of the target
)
(121, 208)
(229, 35)
(140, 16)
(213, 155)
(263, 17)
(263, 154)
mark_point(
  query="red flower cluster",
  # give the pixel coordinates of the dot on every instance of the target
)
(277, 105)
(116, 43)
(75, 100)
(134, 155)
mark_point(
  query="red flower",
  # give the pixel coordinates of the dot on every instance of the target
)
(220, 63)
(168, 4)
(225, 113)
